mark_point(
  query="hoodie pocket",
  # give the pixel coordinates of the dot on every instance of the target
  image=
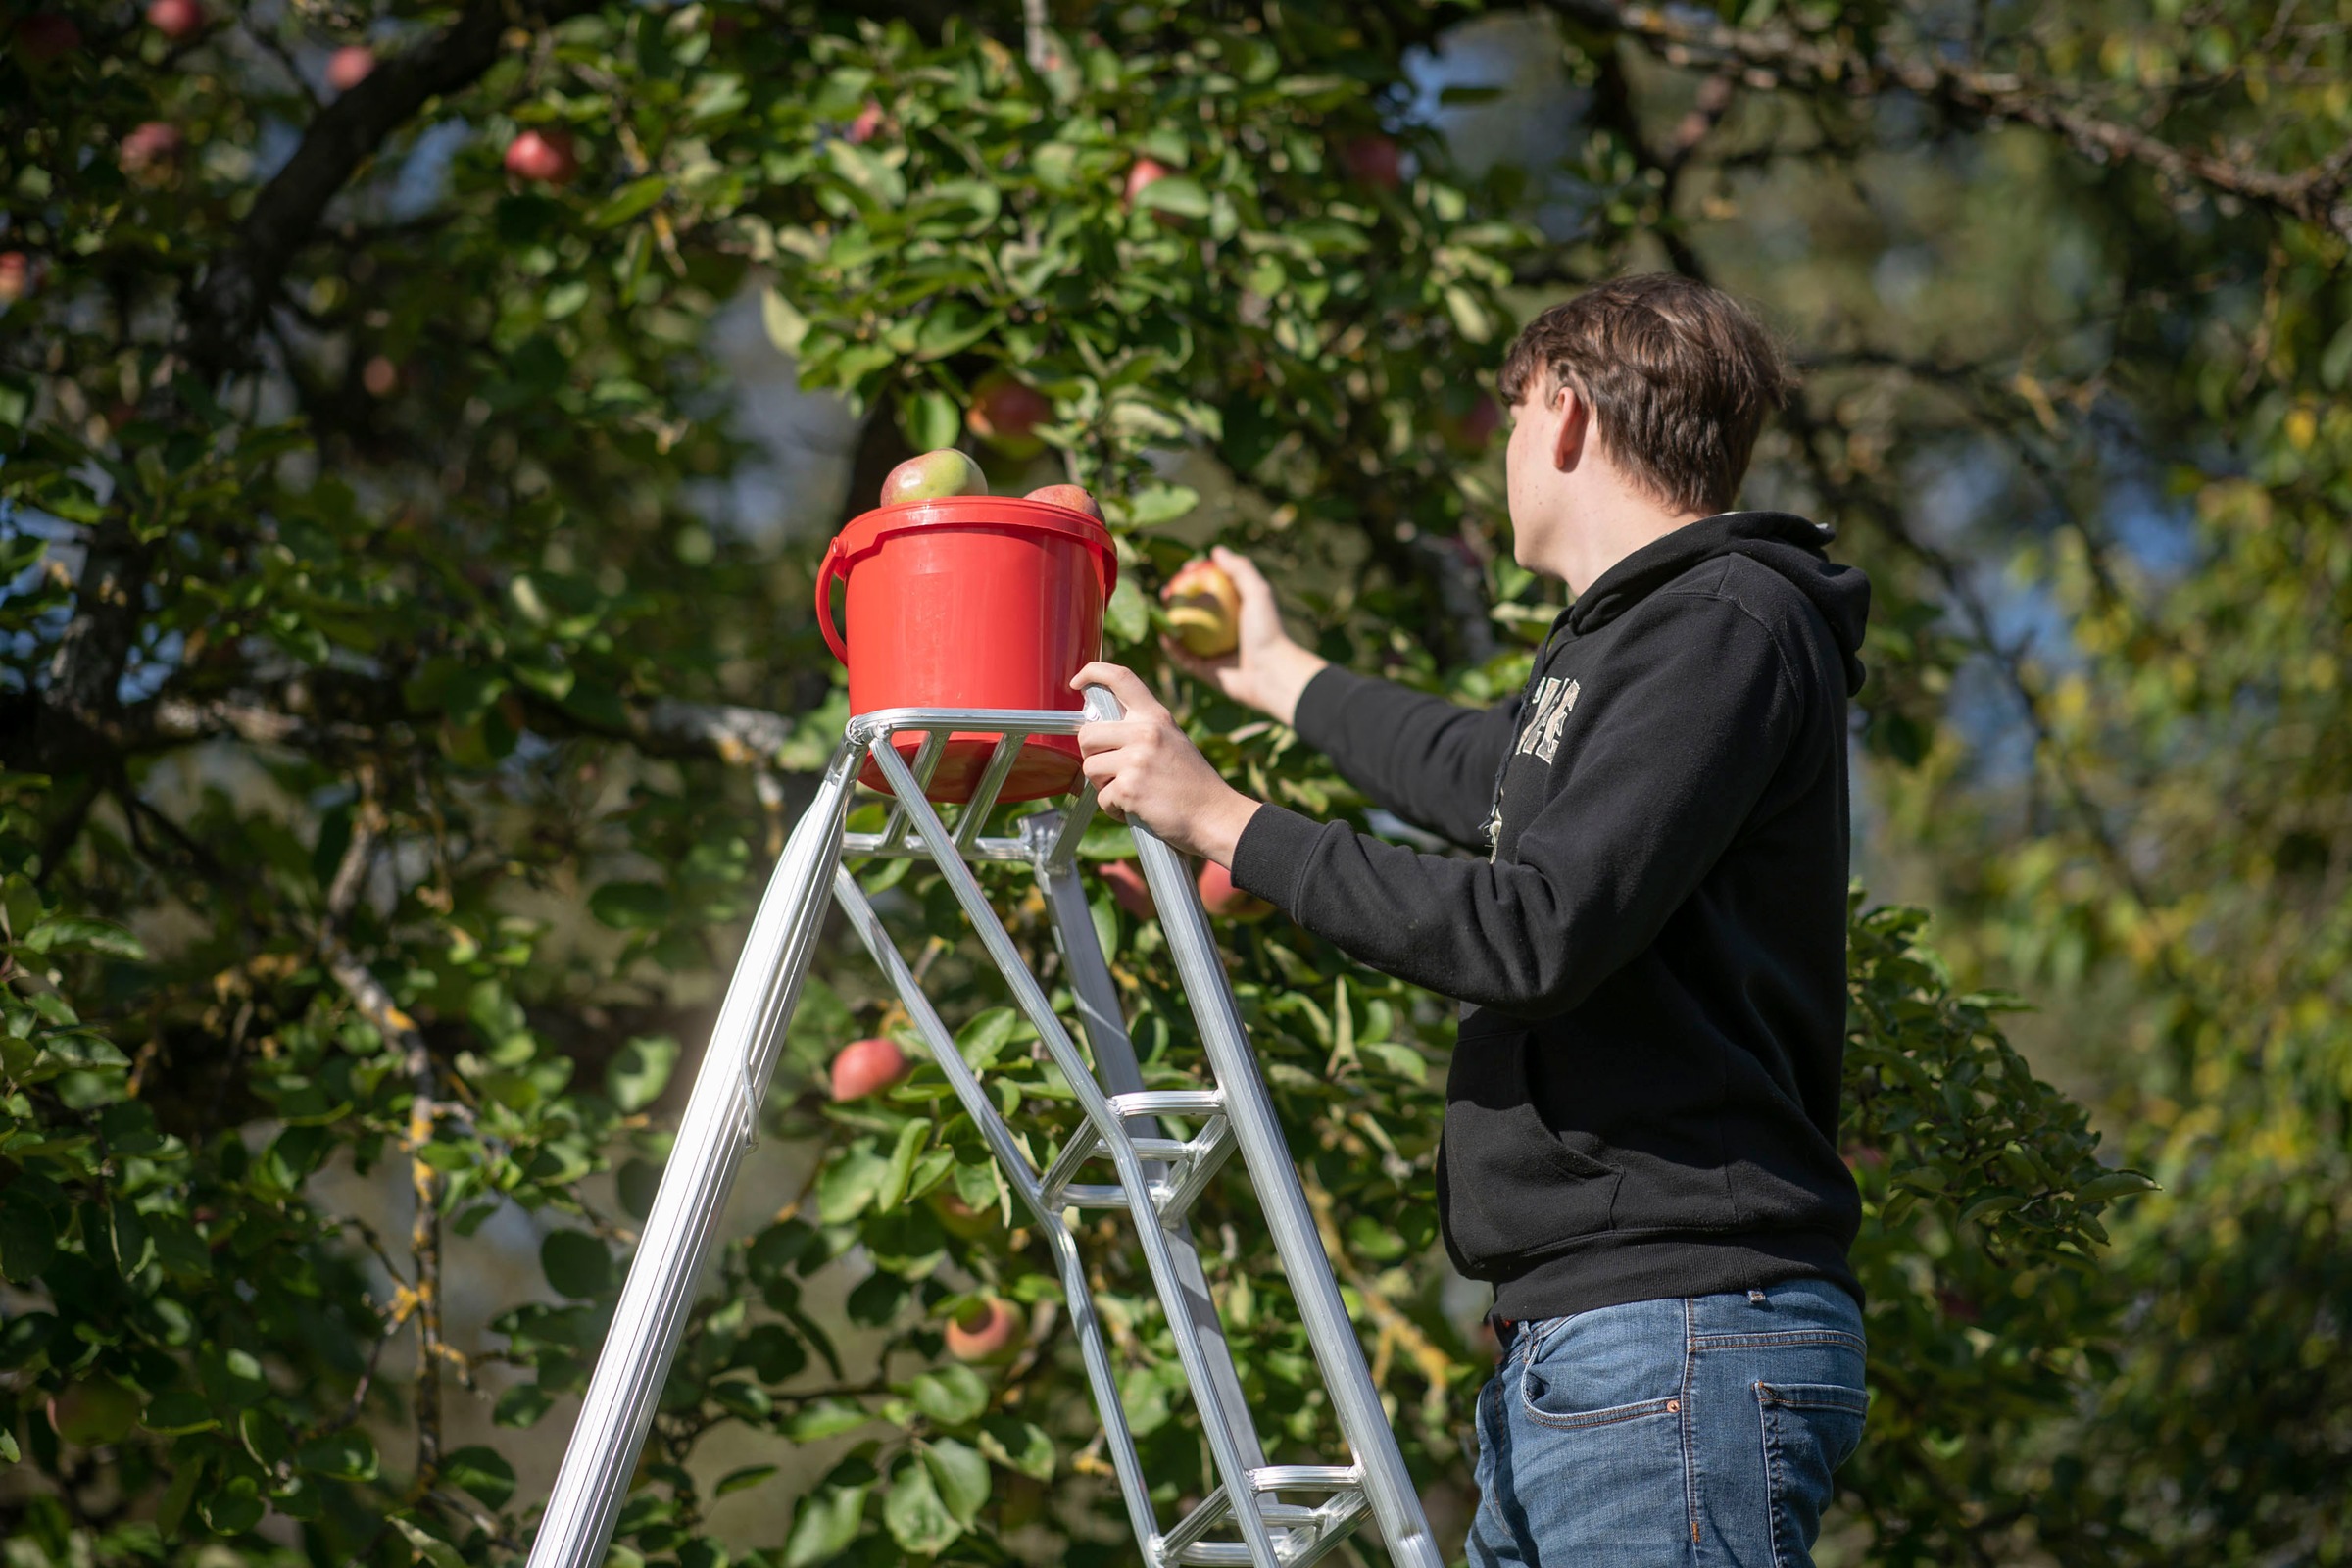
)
(1507, 1186)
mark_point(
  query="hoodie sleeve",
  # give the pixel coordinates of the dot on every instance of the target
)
(1429, 761)
(1677, 738)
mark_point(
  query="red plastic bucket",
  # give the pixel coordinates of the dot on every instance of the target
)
(972, 602)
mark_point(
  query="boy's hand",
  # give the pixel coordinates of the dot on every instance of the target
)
(1266, 670)
(1144, 768)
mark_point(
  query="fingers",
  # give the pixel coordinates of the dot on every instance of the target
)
(1244, 572)
(1093, 740)
(1124, 684)
(1210, 671)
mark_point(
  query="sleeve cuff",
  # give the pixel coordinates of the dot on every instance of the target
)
(1272, 855)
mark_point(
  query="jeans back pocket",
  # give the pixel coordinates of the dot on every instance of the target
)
(1810, 1429)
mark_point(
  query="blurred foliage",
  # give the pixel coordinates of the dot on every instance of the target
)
(399, 734)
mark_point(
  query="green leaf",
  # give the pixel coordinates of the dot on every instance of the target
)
(785, 326)
(1128, 613)
(630, 906)
(640, 1070)
(345, 1456)
(824, 1523)
(849, 1185)
(522, 1405)
(1019, 1444)
(751, 1475)
(917, 1517)
(27, 1237)
(176, 1411)
(484, 1472)
(2115, 1184)
(892, 1189)
(1163, 503)
(576, 1264)
(930, 420)
(828, 1417)
(434, 1550)
(1176, 194)
(961, 1476)
(628, 201)
(950, 1395)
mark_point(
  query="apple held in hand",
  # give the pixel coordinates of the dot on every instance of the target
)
(984, 1330)
(934, 476)
(1220, 898)
(1074, 496)
(1205, 609)
(546, 156)
(1005, 414)
(868, 1067)
(1125, 879)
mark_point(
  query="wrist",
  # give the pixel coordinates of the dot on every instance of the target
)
(1217, 831)
(1290, 671)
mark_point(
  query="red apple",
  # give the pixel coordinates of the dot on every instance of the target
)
(1074, 496)
(1142, 173)
(1205, 609)
(16, 277)
(1125, 879)
(380, 377)
(1474, 430)
(349, 65)
(543, 155)
(933, 476)
(1005, 414)
(176, 18)
(866, 126)
(867, 1066)
(1373, 161)
(986, 1328)
(1219, 897)
(150, 152)
(44, 37)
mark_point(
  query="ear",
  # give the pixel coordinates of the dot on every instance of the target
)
(1574, 431)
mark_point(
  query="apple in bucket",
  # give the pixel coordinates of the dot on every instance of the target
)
(1074, 496)
(1205, 609)
(934, 476)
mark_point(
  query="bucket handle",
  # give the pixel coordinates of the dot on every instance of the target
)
(825, 573)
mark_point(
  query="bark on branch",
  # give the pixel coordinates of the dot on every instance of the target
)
(2321, 194)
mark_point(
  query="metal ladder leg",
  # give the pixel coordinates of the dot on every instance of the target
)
(721, 1118)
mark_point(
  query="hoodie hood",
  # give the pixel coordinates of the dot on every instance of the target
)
(1789, 545)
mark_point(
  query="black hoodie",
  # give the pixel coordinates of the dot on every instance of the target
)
(1643, 1096)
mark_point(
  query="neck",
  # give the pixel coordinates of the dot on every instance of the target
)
(1608, 528)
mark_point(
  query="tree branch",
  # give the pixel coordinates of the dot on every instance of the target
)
(2317, 195)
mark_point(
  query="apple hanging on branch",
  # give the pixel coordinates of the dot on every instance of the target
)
(984, 1330)
(176, 19)
(868, 1067)
(1006, 412)
(349, 65)
(545, 156)
(1205, 609)
(1220, 898)
(934, 476)
(1128, 890)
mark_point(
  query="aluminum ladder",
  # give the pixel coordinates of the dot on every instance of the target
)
(1265, 1515)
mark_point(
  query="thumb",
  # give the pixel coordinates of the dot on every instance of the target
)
(1248, 580)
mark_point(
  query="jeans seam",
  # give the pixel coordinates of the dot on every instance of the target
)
(1784, 1337)
(1684, 1426)
(1772, 1477)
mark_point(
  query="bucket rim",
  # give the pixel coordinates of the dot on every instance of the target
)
(867, 529)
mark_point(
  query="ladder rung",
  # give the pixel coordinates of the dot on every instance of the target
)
(1168, 1102)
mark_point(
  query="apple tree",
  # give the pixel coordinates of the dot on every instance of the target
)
(396, 737)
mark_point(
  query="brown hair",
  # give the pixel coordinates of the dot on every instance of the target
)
(1679, 376)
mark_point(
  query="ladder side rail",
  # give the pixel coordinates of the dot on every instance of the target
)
(1266, 1154)
(730, 1087)
(1103, 1019)
(1230, 1462)
(1093, 1348)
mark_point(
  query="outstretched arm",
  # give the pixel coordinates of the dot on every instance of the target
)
(1429, 761)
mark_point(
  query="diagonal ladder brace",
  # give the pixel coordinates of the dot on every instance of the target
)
(1260, 1514)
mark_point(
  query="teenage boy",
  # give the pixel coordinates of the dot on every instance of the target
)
(1639, 1148)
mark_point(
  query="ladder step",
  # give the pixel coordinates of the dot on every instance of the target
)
(1305, 1533)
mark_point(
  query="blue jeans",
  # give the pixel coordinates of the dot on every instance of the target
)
(1699, 1432)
